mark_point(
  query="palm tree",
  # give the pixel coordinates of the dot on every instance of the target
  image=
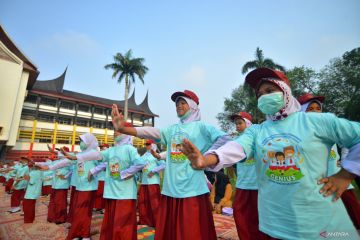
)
(260, 61)
(125, 66)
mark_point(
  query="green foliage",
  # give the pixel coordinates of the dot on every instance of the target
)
(303, 80)
(261, 61)
(340, 84)
(127, 65)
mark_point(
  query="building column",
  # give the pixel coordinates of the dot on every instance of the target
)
(132, 118)
(76, 111)
(92, 109)
(106, 136)
(54, 139)
(37, 106)
(153, 121)
(73, 138)
(58, 103)
(107, 118)
(32, 138)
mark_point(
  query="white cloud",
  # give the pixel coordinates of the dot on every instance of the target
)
(195, 76)
(75, 43)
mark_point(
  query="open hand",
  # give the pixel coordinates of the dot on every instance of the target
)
(193, 154)
(117, 118)
(155, 154)
(336, 184)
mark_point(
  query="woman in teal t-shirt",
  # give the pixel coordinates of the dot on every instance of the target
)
(311, 103)
(185, 210)
(33, 192)
(291, 152)
(149, 192)
(245, 203)
(120, 191)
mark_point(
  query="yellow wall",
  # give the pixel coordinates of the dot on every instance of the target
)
(13, 81)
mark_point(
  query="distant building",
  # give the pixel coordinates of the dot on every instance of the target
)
(34, 113)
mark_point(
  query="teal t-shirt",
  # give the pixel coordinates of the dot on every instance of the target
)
(291, 156)
(58, 183)
(246, 174)
(73, 179)
(21, 171)
(120, 158)
(47, 174)
(82, 171)
(180, 179)
(150, 164)
(33, 190)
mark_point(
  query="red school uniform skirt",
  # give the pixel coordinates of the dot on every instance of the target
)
(148, 204)
(119, 220)
(81, 220)
(99, 200)
(29, 210)
(185, 219)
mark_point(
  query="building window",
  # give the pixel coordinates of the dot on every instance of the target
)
(31, 98)
(84, 108)
(67, 105)
(98, 110)
(97, 124)
(82, 122)
(48, 101)
(28, 114)
(65, 120)
(46, 118)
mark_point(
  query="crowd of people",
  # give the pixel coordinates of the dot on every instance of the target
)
(293, 173)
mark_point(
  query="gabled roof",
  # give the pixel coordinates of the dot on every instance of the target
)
(55, 88)
(54, 85)
(28, 65)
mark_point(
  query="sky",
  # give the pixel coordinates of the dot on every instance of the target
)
(196, 45)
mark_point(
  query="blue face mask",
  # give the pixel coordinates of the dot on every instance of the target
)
(118, 138)
(184, 116)
(82, 146)
(271, 103)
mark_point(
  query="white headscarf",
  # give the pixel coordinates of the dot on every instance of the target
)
(306, 105)
(125, 139)
(194, 110)
(90, 141)
(291, 104)
(247, 122)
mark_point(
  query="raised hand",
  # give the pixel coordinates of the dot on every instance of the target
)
(117, 118)
(193, 154)
(67, 155)
(155, 154)
(336, 184)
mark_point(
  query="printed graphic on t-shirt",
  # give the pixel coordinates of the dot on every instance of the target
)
(147, 167)
(81, 169)
(114, 168)
(283, 159)
(176, 154)
(249, 162)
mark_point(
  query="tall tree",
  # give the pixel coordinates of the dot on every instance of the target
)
(260, 61)
(303, 80)
(126, 67)
(340, 84)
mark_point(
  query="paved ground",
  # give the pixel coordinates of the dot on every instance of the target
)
(13, 228)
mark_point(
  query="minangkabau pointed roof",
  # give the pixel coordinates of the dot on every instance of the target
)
(55, 88)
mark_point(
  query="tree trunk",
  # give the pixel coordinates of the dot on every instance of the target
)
(126, 97)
